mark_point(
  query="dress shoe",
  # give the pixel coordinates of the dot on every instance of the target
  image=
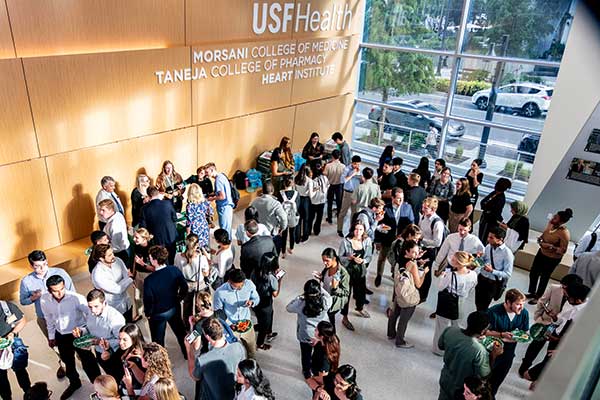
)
(70, 390)
(378, 281)
(368, 291)
(60, 372)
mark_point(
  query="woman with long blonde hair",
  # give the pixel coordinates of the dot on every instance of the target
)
(461, 204)
(166, 389)
(139, 197)
(170, 184)
(198, 213)
(458, 280)
(106, 387)
(142, 240)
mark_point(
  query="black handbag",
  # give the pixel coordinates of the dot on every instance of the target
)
(447, 304)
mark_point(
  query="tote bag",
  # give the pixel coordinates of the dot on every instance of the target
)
(447, 304)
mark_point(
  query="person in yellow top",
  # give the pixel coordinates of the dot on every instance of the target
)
(553, 245)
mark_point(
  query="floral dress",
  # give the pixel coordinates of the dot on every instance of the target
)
(197, 220)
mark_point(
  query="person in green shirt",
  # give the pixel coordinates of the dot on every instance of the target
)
(464, 355)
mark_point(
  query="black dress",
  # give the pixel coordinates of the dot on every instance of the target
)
(137, 202)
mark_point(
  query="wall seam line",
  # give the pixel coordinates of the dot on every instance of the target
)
(12, 35)
(37, 140)
(53, 202)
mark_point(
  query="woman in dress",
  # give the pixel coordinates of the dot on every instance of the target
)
(475, 177)
(156, 361)
(198, 212)
(423, 171)
(491, 208)
(356, 251)
(252, 384)
(335, 280)
(139, 197)
(282, 163)
(195, 268)
(304, 186)
(313, 150)
(311, 308)
(460, 280)
(401, 312)
(461, 204)
(170, 184)
(553, 246)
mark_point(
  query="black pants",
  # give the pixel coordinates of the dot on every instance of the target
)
(112, 366)
(158, 327)
(124, 256)
(334, 192)
(359, 286)
(532, 352)
(536, 370)
(443, 210)
(331, 316)
(278, 242)
(303, 227)
(484, 292)
(398, 322)
(541, 270)
(501, 368)
(67, 351)
(424, 289)
(22, 379)
(291, 232)
(306, 351)
(264, 323)
(315, 218)
(128, 315)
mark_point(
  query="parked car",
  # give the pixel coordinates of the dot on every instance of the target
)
(531, 99)
(404, 121)
(528, 144)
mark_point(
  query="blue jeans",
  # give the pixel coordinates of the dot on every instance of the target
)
(225, 214)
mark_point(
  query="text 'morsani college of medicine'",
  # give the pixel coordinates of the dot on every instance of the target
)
(277, 17)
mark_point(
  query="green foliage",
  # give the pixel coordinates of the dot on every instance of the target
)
(417, 140)
(459, 151)
(521, 173)
(478, 75)
(532, 78)
(509, 167)
(442, 84)
(508, 77)
(465, 88)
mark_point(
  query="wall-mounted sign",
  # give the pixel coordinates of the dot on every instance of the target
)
(278, 62)
(299, 17)
(593, 143)
(584, 171)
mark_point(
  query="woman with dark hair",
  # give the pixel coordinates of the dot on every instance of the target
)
(491, 208)
(170, 184)
(423, 171)
(311, 308)
(476, 388)
(222, 259)
(304, 186)
(268, 287)
(343, 386)
(461, 204)
(396, 255)
(335, 280)
(130, 351)
(282, 163)
(252, 384)
(356, 251)
(518, 222)
(313, 150)
(553, 245)
(326, 357)
(387, 154)
(438, 166)
(443, 190)
(250, 213)
(475, 177)
(318, 197)
(290, 199)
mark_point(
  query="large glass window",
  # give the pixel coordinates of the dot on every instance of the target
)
(481, 73)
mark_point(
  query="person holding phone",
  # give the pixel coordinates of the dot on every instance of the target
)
(268, 287)
(335, 280)
(130, 351)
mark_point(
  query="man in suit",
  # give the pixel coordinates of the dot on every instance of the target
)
(397, 216)
(253, 249)
(164, 289)
(159, 217)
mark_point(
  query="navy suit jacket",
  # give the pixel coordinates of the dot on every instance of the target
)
(159, 216)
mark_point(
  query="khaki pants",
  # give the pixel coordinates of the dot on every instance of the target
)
(41, 322)
(248, 339)
(346, 205)
(138, 293)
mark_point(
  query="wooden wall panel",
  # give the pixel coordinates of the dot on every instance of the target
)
(60, 27)
(27, 217)
(75, 176)
(350, 18)
(16, 127)
(86, 100)
(209, 21)
(340, 81)
(7, 49)
(219, 98)
(235, 143)
(324, 117)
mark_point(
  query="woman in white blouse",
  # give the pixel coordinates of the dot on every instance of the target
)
(195, 268)
(112, 277)
(466, 279)
(304, 184)
(221, 260)
(252, 384)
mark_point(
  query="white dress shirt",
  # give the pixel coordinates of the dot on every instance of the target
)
(63, 316)
(102, 195)
(105, 326)
(569, 312)
(451, 245)
(113, 281)
(240, 232)
(116, 229)
(432, 238)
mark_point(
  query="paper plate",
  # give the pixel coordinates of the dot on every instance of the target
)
(84, 341)
(521, 336)
(488, 342)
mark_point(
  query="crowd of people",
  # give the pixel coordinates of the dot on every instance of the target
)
(222, 314)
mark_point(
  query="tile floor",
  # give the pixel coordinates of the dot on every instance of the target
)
(384, 372)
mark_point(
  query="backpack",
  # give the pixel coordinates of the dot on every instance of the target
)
(235, 194)
(357, 214)
(291, 209)
(446, 230)
(239, 179)
(407, 294)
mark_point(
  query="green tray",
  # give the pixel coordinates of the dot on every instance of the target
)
(488, 342)
(5, 343)
(84, 341)
(538, 331)
(521, 336)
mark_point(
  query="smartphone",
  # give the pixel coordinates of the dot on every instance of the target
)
(192, 336)
(280, 274)
(94, 396)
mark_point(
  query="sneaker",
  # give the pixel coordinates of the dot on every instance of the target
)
(60, 372)
(363, 313)
(368, 291)
(405, 345)
(378, 281)
(70, 390)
